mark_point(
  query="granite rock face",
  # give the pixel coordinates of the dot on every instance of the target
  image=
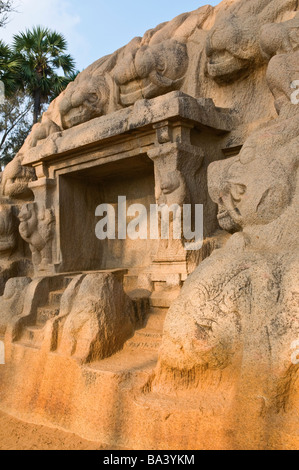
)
(100, 318)
(226, 37)
(12, 301)
(173, 347)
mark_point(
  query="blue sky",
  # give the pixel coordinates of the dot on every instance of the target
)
(95, 28)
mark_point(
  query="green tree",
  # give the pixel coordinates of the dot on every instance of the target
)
(9, 69)
(6, 6)
(15, 125)
(8, 63)
(41, 54)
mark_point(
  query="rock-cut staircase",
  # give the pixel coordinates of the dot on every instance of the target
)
(149, 338)
(33, 335)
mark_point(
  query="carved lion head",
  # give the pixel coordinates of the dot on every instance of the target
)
(257, 186)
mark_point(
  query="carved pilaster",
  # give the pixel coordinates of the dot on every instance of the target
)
(37, 225)
(176, 167)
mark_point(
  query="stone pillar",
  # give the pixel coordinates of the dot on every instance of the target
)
(37, 223)
(177, 162)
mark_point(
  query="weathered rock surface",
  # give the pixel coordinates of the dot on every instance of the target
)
(12, 301)
(100, 318)
(224, 41)
(239, 310)
(204, 110)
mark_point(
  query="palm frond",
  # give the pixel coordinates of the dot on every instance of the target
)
(65, 62)
(41, 54)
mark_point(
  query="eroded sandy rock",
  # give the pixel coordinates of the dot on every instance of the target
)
(15, 179)
(100, 318)
(238, 310)
(8, 230)
(194, 53)
(280, 43)
(233, 48)
(37, 229)
(11, 303)
(207, 102)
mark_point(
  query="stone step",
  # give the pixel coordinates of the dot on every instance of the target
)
(68, 280)
(149, 334)
(164, 298)
(130, 282)
(143, 345)
(55, 297)
(146, 339)
(33, 335)
(158, 311)
(46, 313)
(156, 321)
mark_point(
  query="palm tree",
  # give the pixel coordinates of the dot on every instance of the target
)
(9, 67)
(41, 54)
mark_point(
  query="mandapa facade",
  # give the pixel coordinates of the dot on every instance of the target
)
(141, 343)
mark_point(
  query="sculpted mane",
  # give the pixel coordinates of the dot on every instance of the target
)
(162, 339)
(225, 38)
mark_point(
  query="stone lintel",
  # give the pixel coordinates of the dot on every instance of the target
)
(175, 106)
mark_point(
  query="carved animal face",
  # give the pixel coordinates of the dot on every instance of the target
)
(84, 99)
(151, 70)
(26, 212)
(171, 182)
(8, 230)
(257, 186)
(280, 38)
(280, 43)
(42, 130)
(28, 221)
(16, 178)
(232, 46)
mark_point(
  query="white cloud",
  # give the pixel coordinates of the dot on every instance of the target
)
(54, 14)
